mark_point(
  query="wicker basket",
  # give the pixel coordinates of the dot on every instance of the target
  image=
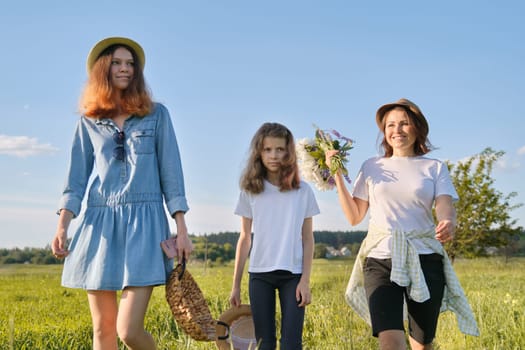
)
(188, 306)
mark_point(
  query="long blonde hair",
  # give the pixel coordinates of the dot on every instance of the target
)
(101, 100)
(254, 173)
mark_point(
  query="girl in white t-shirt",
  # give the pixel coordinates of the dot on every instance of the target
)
(402, 260)
(278, 208)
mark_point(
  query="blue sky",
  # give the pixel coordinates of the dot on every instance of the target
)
(224, 67)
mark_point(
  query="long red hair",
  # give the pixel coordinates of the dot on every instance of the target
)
(101, 100)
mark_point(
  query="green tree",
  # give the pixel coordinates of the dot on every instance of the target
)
(483, 213)
(319, 250)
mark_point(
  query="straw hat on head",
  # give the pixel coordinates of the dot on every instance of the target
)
(103, 44)
(241, 332)
(407, 105)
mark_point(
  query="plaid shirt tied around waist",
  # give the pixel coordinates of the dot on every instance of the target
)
(407, 272)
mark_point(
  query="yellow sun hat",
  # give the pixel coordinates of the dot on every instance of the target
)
(241, 333)
(103, 44)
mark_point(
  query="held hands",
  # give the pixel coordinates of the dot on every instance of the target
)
(235, 297)
(445, 230)
(58, 246)
(179, 246)
(184, 246)
(328, 156)
(302, 294)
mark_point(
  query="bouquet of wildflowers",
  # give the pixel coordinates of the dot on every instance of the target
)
(312, 161)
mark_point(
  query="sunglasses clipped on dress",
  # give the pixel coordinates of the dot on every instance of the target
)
(119, 152)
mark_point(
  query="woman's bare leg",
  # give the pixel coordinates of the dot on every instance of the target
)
(103, 307)
(130, 322)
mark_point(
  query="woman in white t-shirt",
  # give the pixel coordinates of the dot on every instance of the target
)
(402, 260)
(278, 208)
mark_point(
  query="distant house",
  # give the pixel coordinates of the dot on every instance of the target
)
(491, 250)
(331, 252)
(345, 251)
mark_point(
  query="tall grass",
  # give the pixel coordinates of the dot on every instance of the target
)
(36, 313)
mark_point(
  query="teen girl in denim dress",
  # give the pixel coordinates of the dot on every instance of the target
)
(125, 154)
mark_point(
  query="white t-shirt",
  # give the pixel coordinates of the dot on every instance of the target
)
(401, 193)
(277, 226)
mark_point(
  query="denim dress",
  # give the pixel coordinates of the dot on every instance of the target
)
(117, 242)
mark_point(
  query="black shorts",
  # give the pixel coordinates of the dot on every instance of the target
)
(385, 298)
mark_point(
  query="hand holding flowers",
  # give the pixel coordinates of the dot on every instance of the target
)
(312, 156)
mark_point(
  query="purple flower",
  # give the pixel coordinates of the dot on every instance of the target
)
(325, 173)
(338, 135)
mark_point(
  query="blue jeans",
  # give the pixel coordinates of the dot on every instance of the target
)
(262, 288)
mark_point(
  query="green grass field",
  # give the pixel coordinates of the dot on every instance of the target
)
(37, 313)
